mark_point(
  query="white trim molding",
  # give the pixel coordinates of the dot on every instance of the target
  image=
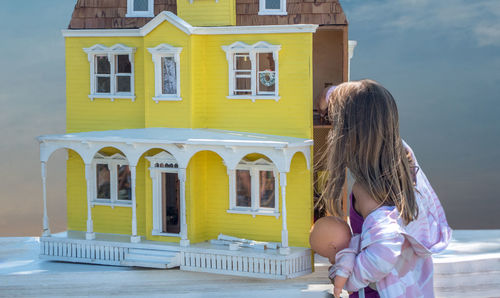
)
(272, 11)
(111, 53)
(254, 167)
(158, 53)
(188, 29)
(160, 163)
(352, 44)
(132, 13)
(112, 162)
(240, 49)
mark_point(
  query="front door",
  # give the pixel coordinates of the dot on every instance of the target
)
(170, 200)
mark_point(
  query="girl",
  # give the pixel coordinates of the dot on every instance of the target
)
(401, 217)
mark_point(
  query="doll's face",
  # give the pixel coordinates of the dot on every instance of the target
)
(328, 236)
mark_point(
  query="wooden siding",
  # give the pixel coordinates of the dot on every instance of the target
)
(322, 12)
(290, 116)
(82, 114)
(204, 87)
(110, 14)
(207, 12)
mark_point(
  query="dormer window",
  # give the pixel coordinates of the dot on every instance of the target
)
(140, 8)
(272, 7)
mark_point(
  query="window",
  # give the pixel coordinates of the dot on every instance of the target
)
(140, 8)
(272, 7)
(111, 72)
(112, 180)
(254, 188)
(166, 59)
(253, 70)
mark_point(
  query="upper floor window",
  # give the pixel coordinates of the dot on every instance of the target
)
(272, 7)
(111, 71)
(166, 59)
(254, 188)
(112, 180)
(253, 70)
(140, 8)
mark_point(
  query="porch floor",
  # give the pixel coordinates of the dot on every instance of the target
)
(172, 246)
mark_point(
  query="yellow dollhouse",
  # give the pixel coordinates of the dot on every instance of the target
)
(190, 132)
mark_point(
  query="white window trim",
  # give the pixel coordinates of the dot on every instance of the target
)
(140, 14)
(264, 11)
(259, 47)
(156, 173)
(254, 167)
(112, 162)
(158, 52)
(111, 52)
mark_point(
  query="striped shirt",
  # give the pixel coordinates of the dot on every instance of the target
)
(395, 257)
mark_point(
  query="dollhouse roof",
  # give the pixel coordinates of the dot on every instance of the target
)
(200, 136)
(110, 14)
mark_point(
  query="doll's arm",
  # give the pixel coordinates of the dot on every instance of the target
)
(338, 285)
(374, 262)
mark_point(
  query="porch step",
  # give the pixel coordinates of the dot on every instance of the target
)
(151, 258)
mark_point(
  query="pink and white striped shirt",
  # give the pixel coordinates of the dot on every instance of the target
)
(395, 257)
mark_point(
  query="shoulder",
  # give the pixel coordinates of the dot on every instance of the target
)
(383, 224)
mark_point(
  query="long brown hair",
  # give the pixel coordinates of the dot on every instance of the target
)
(365, 139)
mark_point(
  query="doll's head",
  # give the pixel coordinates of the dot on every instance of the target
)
(328, 236)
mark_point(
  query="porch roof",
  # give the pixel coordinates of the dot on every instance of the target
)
(199, 136)
(134, 142)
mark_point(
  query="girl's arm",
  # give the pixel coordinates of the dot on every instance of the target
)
(371, 264)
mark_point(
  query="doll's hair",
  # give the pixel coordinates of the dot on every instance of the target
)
(365, 139)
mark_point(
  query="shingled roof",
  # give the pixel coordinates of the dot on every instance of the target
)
(321, 12)
(110, 14)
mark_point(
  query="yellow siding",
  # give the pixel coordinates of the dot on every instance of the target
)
(299, 194)
(290, 116)
(82, 114)
(168, 113)
(76, 192)
(204, 87)
(117, 220)
(207, 12)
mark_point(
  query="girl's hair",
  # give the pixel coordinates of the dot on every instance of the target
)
(365, 139)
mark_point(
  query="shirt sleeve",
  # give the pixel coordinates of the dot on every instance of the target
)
(372, 263)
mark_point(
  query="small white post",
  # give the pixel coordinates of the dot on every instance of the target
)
(351, 45)
(46, 229)
(90, 235)
(284, 249)
(232, 183)
(134, 238)
(182, 179)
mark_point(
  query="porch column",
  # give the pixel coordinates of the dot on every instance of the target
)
(46, 229)
(182, 181)
(284, 249)
(134, 238)
(90, 235)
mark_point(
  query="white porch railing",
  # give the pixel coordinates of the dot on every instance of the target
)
(199, 257)
(243, 263)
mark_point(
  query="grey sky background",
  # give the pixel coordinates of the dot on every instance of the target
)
(440, 60)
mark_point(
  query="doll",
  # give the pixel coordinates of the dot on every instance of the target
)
(328, 236)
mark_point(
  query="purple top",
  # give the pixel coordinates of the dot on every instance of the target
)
(356, 221)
